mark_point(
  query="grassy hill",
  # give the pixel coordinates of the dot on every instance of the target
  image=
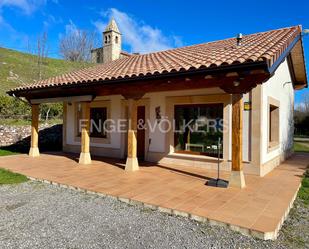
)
(17, 68)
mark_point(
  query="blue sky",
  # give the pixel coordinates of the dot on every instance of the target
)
(148, 25)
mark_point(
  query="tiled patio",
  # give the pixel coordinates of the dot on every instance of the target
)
(259, 209)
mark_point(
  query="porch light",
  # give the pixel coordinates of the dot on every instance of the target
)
(208, 77)
(187, 79)
(236, 83)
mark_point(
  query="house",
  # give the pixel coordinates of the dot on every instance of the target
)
(231, 99)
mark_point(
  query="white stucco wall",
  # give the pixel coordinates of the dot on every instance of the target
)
(115, 114)
(280, 88)
(158, 139)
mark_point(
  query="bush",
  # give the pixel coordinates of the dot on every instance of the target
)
(14, 108)
(10, 106)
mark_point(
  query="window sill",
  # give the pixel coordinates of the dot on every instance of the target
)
(272, 146)
(192, 156)
(95, 140)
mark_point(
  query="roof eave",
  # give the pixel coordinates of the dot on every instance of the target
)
(297, 84)
(261, 65)
(281, 58)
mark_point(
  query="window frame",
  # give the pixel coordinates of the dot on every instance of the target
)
(195, 105)
(204, 98)
(273, 136)
(94, 104)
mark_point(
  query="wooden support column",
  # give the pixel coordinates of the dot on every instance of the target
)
(84, 126)
(132, 162)
(34, 149)
(237, 178)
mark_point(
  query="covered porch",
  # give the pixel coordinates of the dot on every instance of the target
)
(232, 84)
(259, 210)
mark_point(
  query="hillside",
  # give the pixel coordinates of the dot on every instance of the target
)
(17, 68)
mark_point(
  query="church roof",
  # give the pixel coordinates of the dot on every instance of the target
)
(112, 26)
(268, 47)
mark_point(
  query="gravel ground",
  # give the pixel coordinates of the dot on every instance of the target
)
(37, 215)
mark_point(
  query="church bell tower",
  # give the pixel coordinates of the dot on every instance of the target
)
(111, 42)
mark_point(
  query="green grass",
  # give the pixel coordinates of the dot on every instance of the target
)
(301, 147)
(303, 193)
(7, 153)
(22, 122)
(8, 177)
(17, 68)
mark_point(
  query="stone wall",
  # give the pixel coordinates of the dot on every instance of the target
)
(18, 137)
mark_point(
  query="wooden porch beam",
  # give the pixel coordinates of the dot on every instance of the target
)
(132, 162)
(62, 99)
(84, 126)
(237, 178)
(248, 80)
(34, 149)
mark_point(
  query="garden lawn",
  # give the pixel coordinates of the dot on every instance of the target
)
(301, 146)
(8, 177)
(303, 193)
(7, 153)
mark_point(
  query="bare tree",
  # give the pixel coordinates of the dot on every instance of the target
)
(42, 52)
(306, 103)
(76, 46)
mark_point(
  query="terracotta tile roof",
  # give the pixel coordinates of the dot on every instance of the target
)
(125, 53)
(264, 46)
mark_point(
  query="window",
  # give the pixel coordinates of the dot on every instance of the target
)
(116, 39)
(98, 57)
(198, 129)
(98, 116)
(273, 126)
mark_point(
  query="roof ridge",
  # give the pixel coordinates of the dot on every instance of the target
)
(225, 39)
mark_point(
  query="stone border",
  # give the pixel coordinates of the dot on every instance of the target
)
(244, 231)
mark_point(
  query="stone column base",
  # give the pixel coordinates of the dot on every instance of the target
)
(237, 179)
(132, 164)
(84, 158)
(34, 152)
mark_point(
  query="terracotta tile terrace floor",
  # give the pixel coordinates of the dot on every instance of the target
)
(258, 210)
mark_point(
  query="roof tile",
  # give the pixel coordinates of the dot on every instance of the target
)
(255, 47)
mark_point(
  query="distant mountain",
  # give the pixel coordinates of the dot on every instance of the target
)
(17, 68)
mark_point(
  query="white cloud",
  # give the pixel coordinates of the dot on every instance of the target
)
(27, 6)
(51, 20)
(1, 19)
(100, 26)
(9, 35)
(71, 28)
(6, 26)
(139, 36)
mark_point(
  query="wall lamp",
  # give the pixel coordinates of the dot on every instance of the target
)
(236, 83)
